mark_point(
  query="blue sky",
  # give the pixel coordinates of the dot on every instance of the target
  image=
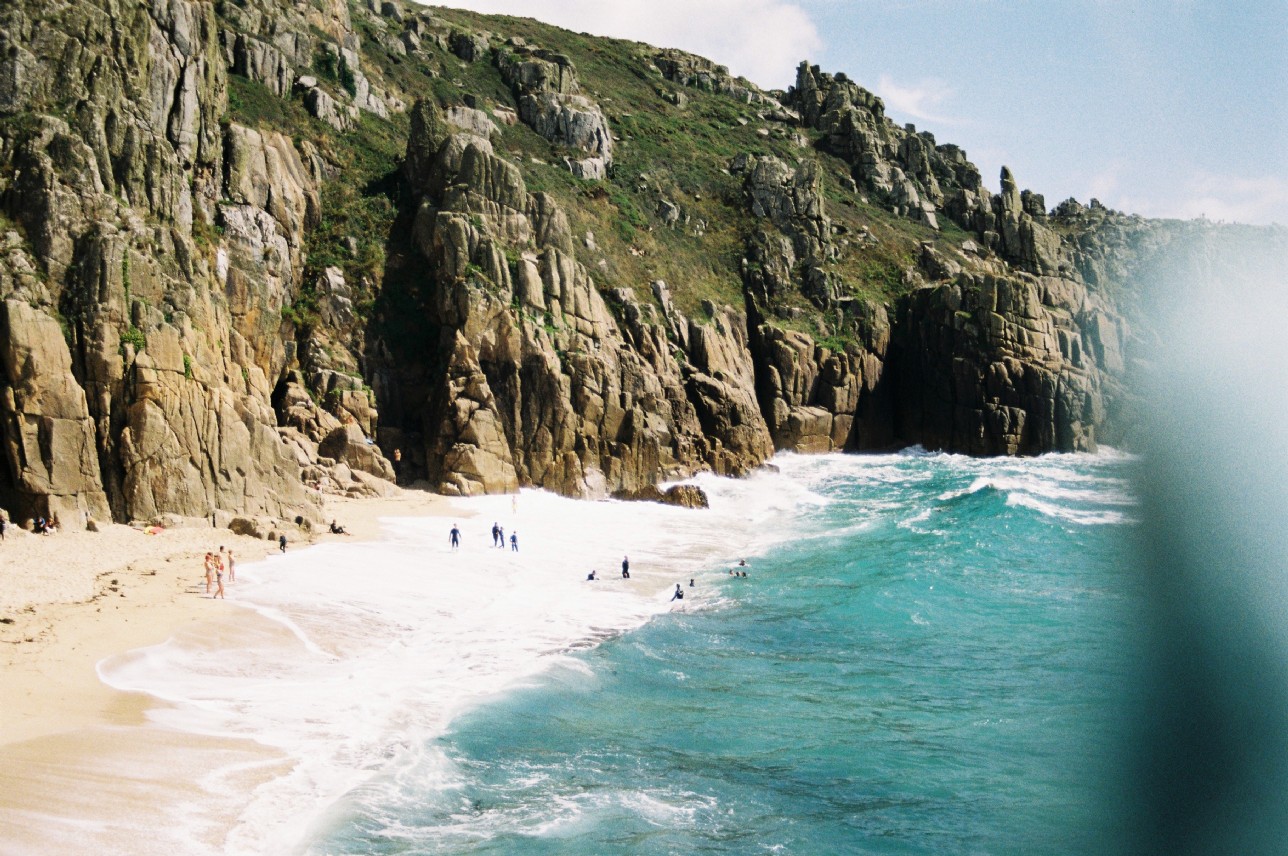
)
(1169, 108)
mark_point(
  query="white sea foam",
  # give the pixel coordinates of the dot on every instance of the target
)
(357, 655)
(360, 653)
(1082, 517)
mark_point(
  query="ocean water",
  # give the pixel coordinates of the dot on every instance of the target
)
(928, 655)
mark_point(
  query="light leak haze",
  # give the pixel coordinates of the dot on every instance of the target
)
(1170, 108)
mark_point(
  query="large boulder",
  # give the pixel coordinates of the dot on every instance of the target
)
(350, 446)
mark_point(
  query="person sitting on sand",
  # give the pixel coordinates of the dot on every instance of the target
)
(690, 583)
(336, 529)
(39, 527)
(591, 576)
(679, 593)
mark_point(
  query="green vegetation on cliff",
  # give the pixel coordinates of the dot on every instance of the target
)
(237, 239)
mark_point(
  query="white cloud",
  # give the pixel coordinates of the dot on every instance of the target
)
(921, 101)
(1230, 198)
(762, 40)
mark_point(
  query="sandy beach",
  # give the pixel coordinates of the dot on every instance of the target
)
(69, 600)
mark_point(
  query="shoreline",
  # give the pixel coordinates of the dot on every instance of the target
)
(61, 616)
(72, 600)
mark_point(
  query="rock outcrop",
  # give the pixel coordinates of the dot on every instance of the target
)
(545, 85)
(544, 385)
(236, 270)
(153, 395)
(999, 366)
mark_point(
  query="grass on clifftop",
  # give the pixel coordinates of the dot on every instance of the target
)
(668, 156)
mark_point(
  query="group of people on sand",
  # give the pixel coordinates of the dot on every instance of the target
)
(498, 538)
(39, 526)
(215, 565)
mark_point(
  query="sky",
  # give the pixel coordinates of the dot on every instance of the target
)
(1166, 108)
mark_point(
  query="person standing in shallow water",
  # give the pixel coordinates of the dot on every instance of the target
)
(455, 538)
(626, 567)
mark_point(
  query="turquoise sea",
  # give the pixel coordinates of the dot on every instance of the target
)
(928, 655)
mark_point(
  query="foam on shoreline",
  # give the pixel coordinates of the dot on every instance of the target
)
(337, 663)
(356, 654)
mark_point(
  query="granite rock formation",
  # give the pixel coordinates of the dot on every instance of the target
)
(250, 249)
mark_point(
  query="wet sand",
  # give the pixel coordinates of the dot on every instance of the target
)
(79, 760)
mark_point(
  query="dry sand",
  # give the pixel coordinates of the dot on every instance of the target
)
(70, 600)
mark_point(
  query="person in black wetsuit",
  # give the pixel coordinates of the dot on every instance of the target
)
(496, 533)
(514, 542)
(679, 593)
(281, 543)
(591, 576)
(626, 568)
(455, 537)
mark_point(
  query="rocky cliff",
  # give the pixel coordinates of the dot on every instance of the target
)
(249, 249)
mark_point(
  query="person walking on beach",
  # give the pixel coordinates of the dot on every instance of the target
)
(455, 538)
(514, 542)
(626, 568)
(281, 542)
(690, 583)
(496, 533)
(679, 593)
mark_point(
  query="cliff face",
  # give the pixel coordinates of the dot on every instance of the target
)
(238, 240)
